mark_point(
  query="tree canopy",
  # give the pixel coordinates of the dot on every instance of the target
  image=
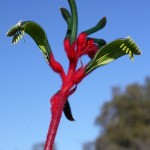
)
(125, 120)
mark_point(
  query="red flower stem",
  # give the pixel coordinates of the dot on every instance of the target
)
(57, 67)
(72, 67)
(57, 103)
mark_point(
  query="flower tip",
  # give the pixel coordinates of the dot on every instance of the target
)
(104, 18)
(139, 53)
(7, 34)
(101, 24)
(132, 58)
(61, 8)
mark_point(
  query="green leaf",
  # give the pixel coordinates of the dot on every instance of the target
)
(112, 51)
(35, 31)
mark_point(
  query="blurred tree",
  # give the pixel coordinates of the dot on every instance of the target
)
(89, 146)
(40, 146)
(125, 120)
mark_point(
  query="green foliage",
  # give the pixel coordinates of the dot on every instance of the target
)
(112, 51)
(35, 31)
(74, 20)
(100, 25)
(67, 111)
(126, 120)
(67, 17)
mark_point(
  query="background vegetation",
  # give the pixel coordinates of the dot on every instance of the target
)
(125, 120)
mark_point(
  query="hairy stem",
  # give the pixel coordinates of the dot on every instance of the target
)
(57, 67)
(57, 105)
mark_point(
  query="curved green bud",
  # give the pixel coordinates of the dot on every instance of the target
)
(112, 51)
(67, 17)
(101, 24)
(74, 20)
(35, 31)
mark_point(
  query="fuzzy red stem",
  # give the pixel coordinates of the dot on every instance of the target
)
(57, 104)
(56, 67)
(52, 131)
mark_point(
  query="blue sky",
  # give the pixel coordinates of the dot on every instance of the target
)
(27, 83)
